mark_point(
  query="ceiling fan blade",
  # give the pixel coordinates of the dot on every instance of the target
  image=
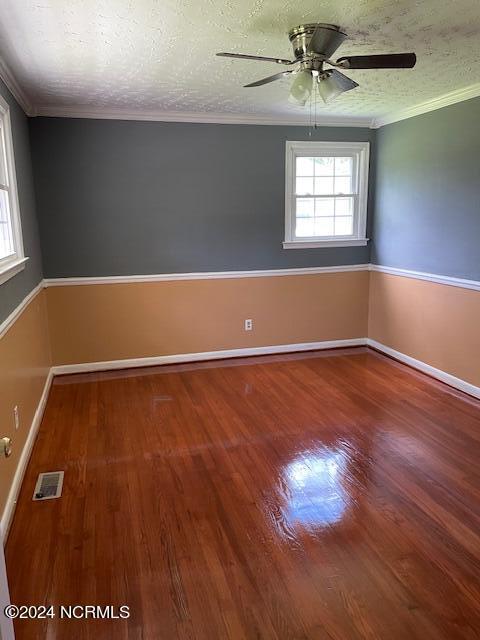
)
(325, 40)
(244, 56)
(277, 76)
(382, 61)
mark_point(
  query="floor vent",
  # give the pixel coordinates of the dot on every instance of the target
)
(49, 485)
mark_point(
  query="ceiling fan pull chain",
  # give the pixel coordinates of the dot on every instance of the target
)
(310, 128)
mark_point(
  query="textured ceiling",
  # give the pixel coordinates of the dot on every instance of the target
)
(151, 55)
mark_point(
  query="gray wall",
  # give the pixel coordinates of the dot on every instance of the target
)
(427, 211)
(122, 197)
(14, 290)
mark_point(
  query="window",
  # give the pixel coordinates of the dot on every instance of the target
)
(326, 194)
(12, 258)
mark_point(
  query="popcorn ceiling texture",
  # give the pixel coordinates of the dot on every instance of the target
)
(159, 55)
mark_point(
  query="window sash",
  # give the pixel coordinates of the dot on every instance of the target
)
(352, 196)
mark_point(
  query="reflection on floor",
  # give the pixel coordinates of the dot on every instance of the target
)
(330, 495)
(316, 497)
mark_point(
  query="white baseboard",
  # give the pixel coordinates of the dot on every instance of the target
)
(205, 355)
(9, 509)
(452, 381)
(110, 365)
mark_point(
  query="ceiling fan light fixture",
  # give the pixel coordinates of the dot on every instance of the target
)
(332, 83)
(328, 88)
(301, 88)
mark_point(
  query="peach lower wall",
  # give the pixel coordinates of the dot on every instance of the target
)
(24, 365)
(102, 322)
(435, 323)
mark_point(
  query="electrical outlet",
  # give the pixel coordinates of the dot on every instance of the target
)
(248, 324)
(16, 417)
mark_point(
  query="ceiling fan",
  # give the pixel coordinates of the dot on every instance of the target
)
(313, 45)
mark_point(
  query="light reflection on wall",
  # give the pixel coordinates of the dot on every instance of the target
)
(317, 497)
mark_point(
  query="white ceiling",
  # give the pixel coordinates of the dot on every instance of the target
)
(159, 55)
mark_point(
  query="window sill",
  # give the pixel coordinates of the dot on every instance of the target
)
(10, 269)
(309, 244)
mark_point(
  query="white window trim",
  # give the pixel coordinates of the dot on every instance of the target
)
(311, 148)
(11, 265)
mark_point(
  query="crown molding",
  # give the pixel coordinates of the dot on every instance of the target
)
(53, 111)
(453, 97)
(15, 89)
(460, 95)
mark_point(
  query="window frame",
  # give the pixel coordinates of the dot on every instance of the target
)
(360, 152)
(14, 263)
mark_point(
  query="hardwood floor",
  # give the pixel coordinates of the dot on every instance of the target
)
(332, 495)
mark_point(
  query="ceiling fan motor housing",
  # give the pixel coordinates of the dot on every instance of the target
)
(309, 40)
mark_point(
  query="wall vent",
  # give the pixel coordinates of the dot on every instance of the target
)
(49, 485)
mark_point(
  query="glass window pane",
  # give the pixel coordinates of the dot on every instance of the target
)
(344, 226)
(304, 227)
(323, 186)
(324, 226)
(305, 208)
(343, 185)
(304, 166)
(6, 242)
(343, 206)
(304, 186)
(324, 166)
(343, 166)
(324, 206)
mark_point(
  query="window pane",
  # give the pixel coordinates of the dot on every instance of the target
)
(344, 226)
(6, 243)
(304, 227)
(343, 185)
(304, 166)
(324, 226)
(343, 166)
(343, 206)
(304, 186)
(324, 206)
(323, 186)
(324, 166)
(305, 208)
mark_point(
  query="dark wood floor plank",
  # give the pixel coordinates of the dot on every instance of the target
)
(330, 496)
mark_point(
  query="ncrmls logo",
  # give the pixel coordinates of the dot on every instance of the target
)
(94, 612)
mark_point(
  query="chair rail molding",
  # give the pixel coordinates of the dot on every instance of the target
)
(430, 277)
